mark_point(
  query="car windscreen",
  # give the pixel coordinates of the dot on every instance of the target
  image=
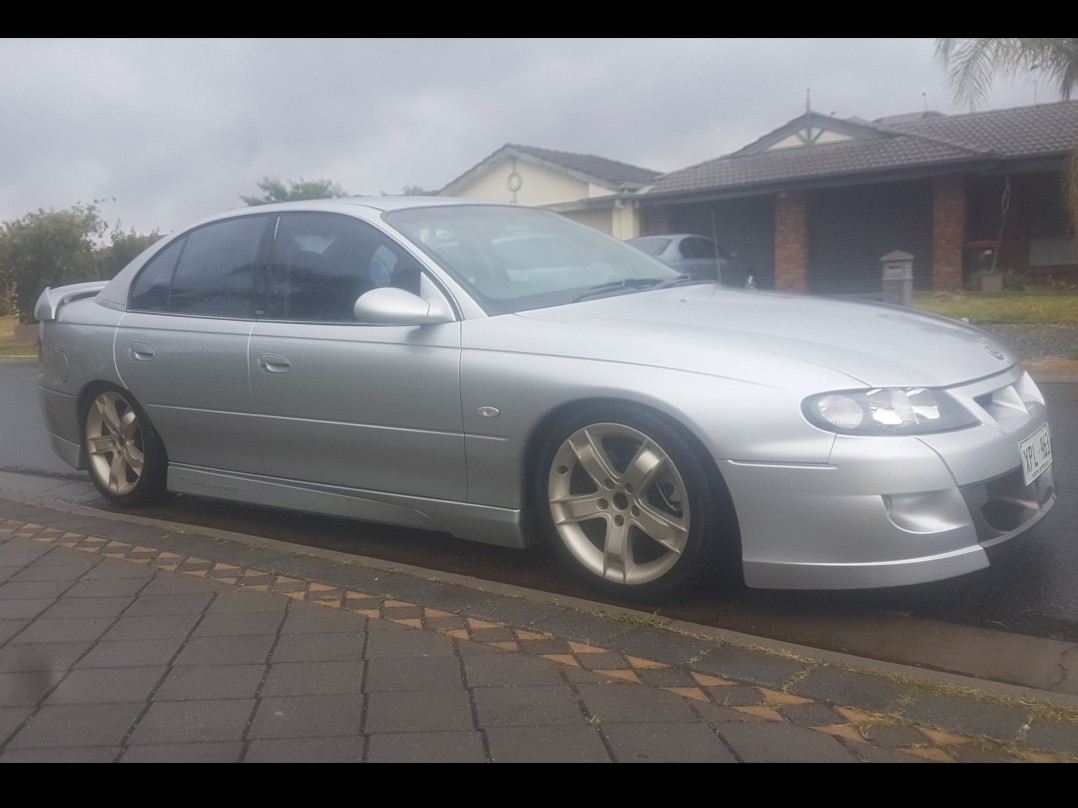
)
(514, 259)
(652, 245)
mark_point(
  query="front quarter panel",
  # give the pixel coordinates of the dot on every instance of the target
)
(731, 418)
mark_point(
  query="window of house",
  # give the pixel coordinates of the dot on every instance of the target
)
(1052, 251)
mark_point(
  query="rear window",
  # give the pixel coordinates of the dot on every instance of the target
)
(208, 272)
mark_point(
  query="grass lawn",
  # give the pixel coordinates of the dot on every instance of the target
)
(8, 346)
(1033, 308)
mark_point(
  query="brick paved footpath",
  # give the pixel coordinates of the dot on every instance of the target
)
(126, 640)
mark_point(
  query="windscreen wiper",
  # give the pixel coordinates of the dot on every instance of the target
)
(624, 283)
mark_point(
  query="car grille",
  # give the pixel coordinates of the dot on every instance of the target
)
(1004, 504)
(1009, 404)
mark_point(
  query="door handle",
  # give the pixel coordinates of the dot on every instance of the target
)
(140, 352)
(273, 363)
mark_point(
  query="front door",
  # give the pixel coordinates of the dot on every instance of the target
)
(343, 403)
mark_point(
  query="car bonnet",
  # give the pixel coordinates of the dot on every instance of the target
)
(702, 327)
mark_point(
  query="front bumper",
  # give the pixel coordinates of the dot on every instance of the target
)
(890, 511)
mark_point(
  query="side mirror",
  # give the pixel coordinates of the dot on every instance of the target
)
(389, 305)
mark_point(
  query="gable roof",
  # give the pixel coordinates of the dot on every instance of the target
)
(816, 147)
(587, 167)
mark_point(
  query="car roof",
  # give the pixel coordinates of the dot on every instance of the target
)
(388, 203)
(348, 204)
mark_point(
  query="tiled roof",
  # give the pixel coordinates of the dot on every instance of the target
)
(1020, 132)
(908, 142)
(596, 169)
(610, 171)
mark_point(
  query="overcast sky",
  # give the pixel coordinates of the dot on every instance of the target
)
(168, 131)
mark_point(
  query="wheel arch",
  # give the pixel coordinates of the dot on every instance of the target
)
(129, 468)
(550, 421)
(89, 391)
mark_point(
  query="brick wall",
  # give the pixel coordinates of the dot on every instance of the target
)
(948, 231)
(791, 242)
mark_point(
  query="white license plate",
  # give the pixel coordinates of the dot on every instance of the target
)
(1036, 451)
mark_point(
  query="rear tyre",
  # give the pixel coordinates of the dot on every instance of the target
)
(628, 504)
(126, 458)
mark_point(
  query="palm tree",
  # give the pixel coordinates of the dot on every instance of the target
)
(972, 63)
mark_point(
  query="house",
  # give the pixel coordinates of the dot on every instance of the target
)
(592, 190)
(815, 204)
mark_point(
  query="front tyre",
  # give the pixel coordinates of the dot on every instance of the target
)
(628, 502)
(126, 458)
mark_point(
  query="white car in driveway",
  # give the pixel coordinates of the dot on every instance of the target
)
(505, 375)
(697, 256)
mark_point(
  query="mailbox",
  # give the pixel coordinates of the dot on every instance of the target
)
(898, 278)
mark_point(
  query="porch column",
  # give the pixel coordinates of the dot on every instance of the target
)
(625, 219)
(791, 242)
(948, 231)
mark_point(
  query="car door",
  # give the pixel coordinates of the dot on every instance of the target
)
(338, 402)
(181, 348)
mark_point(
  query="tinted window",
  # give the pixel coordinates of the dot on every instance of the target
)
(215, 274)
(697, 248)
(150, 290)
(322, 263)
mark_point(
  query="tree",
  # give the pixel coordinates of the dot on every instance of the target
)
(972, 64)
(275, 191)
(49, 248)
(124, 248)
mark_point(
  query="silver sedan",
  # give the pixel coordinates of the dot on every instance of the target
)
(505, 375)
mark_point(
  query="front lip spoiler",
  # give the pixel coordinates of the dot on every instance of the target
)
(865, 575)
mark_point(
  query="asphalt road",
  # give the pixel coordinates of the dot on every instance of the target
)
(1033, 590)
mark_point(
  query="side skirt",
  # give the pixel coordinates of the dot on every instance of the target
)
(482, 523)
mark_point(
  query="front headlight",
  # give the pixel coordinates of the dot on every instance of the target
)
(887, 411)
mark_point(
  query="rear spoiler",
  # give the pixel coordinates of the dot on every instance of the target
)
(51, 300)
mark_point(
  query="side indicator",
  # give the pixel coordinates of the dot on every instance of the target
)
(489, 412)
